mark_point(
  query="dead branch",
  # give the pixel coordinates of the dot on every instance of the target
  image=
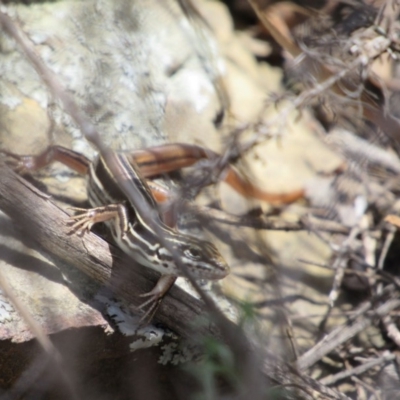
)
(345, 332)
(307, 386)
(330, 380)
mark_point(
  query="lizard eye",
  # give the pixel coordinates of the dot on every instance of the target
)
(193, 252)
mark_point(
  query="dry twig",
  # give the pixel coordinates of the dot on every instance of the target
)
(345, 332)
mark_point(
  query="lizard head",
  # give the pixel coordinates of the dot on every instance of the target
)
(201, 258)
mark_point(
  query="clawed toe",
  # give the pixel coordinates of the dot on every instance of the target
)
(80, 223)
(148, 314)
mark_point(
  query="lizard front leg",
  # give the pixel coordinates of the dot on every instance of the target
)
(86, 218)
(164, 283)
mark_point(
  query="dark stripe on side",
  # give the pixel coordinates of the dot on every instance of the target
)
(96, 193)
(130, 173)
(109, 184)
